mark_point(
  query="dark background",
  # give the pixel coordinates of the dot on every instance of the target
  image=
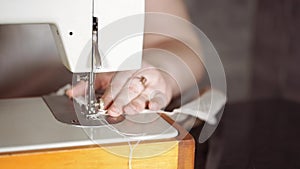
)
(258, 42)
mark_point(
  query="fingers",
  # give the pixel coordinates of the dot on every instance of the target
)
(78, 90)
(158, 100)
(131, 90)
(118, 82)
(137, 105)
(154, 100)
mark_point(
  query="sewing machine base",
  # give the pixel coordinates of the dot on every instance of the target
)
(176, 152)
(27, 124)
(32, 138)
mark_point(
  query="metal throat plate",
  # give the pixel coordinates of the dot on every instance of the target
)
(63, 109)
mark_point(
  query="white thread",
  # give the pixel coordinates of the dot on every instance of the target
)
(125, 135)
(131, 153)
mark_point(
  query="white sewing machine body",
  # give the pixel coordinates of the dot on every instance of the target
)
(27, 123)
(71, 22)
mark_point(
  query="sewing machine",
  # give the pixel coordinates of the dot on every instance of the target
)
(92, 36)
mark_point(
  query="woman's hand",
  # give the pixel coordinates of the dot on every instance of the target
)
(130, 92)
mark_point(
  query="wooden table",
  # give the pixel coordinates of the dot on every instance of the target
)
(176, 152)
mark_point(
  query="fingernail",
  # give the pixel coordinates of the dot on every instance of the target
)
(153, 106)
(129, 110)
(113, 114)
(113, 111)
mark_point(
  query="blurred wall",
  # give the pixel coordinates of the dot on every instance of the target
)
(276, 70)
(229, 26)
(257, 42)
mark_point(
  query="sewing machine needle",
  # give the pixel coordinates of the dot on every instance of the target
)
(91, 89)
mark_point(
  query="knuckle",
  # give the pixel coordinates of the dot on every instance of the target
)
(134, 89)
(138, 106)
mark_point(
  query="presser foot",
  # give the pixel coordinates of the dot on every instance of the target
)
(95, 108)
